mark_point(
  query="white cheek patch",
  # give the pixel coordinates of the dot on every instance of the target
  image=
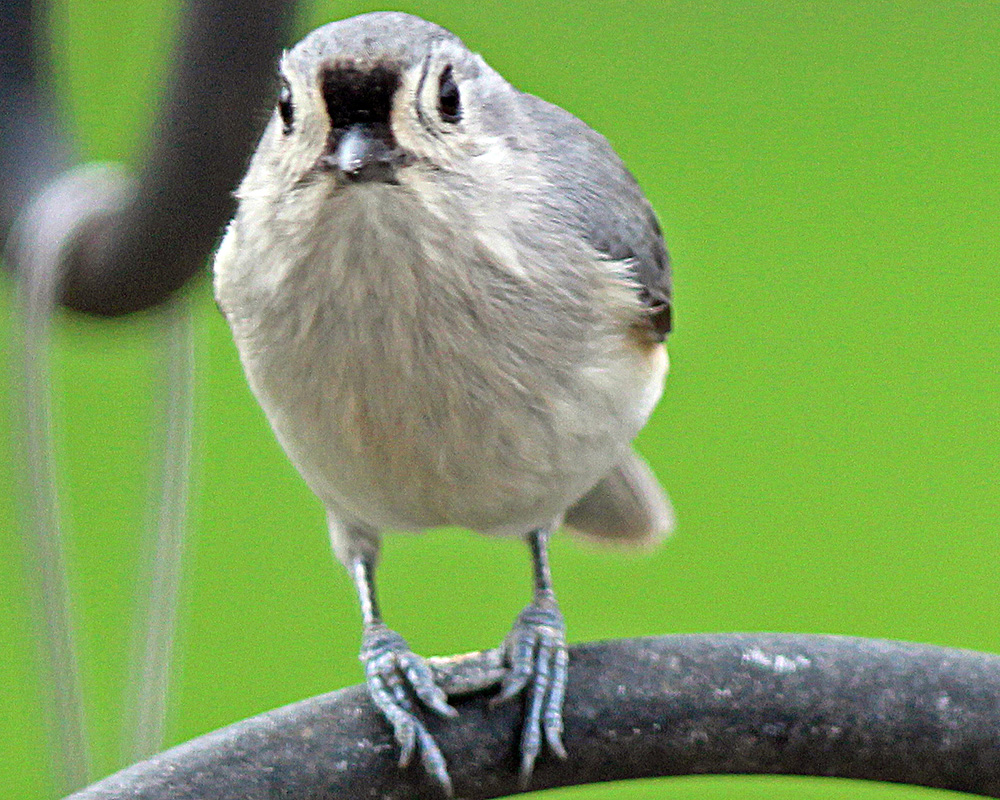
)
(405, 114)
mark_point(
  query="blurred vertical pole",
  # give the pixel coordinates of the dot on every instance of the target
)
(37, 247)
(34, 153)
(163, 547)
(86, 238)
(42, 533)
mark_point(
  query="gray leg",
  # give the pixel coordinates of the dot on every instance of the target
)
(536, 652)
(397, 678)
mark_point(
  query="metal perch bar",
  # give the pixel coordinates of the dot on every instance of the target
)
(673, 705)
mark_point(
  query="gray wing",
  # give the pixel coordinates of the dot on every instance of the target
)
(626, 507)
(597, 195)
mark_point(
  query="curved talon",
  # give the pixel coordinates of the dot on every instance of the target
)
(397, 679)
(433, 760)
(405, 733)
(553, 721)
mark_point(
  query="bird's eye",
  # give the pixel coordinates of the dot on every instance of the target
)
(449, 103)
(285, 108)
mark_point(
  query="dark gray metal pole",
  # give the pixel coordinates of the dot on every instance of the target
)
(674, 705)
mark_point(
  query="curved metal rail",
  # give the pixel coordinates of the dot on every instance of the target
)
(636, 708)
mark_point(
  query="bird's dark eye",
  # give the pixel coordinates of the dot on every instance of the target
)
(449, 103)
(285, 108)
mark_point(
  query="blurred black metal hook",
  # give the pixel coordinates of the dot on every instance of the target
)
(199, 143)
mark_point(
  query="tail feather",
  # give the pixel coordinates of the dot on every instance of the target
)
(626, 507)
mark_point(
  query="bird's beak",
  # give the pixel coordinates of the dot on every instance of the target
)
(360, 153)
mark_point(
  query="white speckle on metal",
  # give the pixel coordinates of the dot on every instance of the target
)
(778, 663)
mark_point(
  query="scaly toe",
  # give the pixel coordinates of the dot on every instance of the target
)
(397, 678)
(538, 658)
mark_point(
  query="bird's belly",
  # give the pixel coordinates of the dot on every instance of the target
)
(461, 441)
(421, 374)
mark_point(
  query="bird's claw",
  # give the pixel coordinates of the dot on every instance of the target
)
(537, 657)
(397, 678)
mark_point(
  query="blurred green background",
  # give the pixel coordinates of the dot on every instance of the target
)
(828, 177)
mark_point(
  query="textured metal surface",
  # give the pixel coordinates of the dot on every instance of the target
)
(673, 705)
(198, 147)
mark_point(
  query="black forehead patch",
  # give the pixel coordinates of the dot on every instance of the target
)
(354, 96)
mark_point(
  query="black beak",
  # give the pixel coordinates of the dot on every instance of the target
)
(362, 153)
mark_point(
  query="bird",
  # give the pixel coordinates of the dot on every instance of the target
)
(451, 299)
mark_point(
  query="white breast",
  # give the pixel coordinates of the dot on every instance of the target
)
(439, 378)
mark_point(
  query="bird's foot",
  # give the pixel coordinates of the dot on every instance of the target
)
(536, 653)
(397, 679)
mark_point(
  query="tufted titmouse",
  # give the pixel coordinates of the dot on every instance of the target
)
(450, 299)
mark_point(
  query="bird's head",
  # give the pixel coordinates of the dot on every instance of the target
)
(369, 100)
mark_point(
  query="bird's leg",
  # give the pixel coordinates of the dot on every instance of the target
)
(397, 678)
(536, 653)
